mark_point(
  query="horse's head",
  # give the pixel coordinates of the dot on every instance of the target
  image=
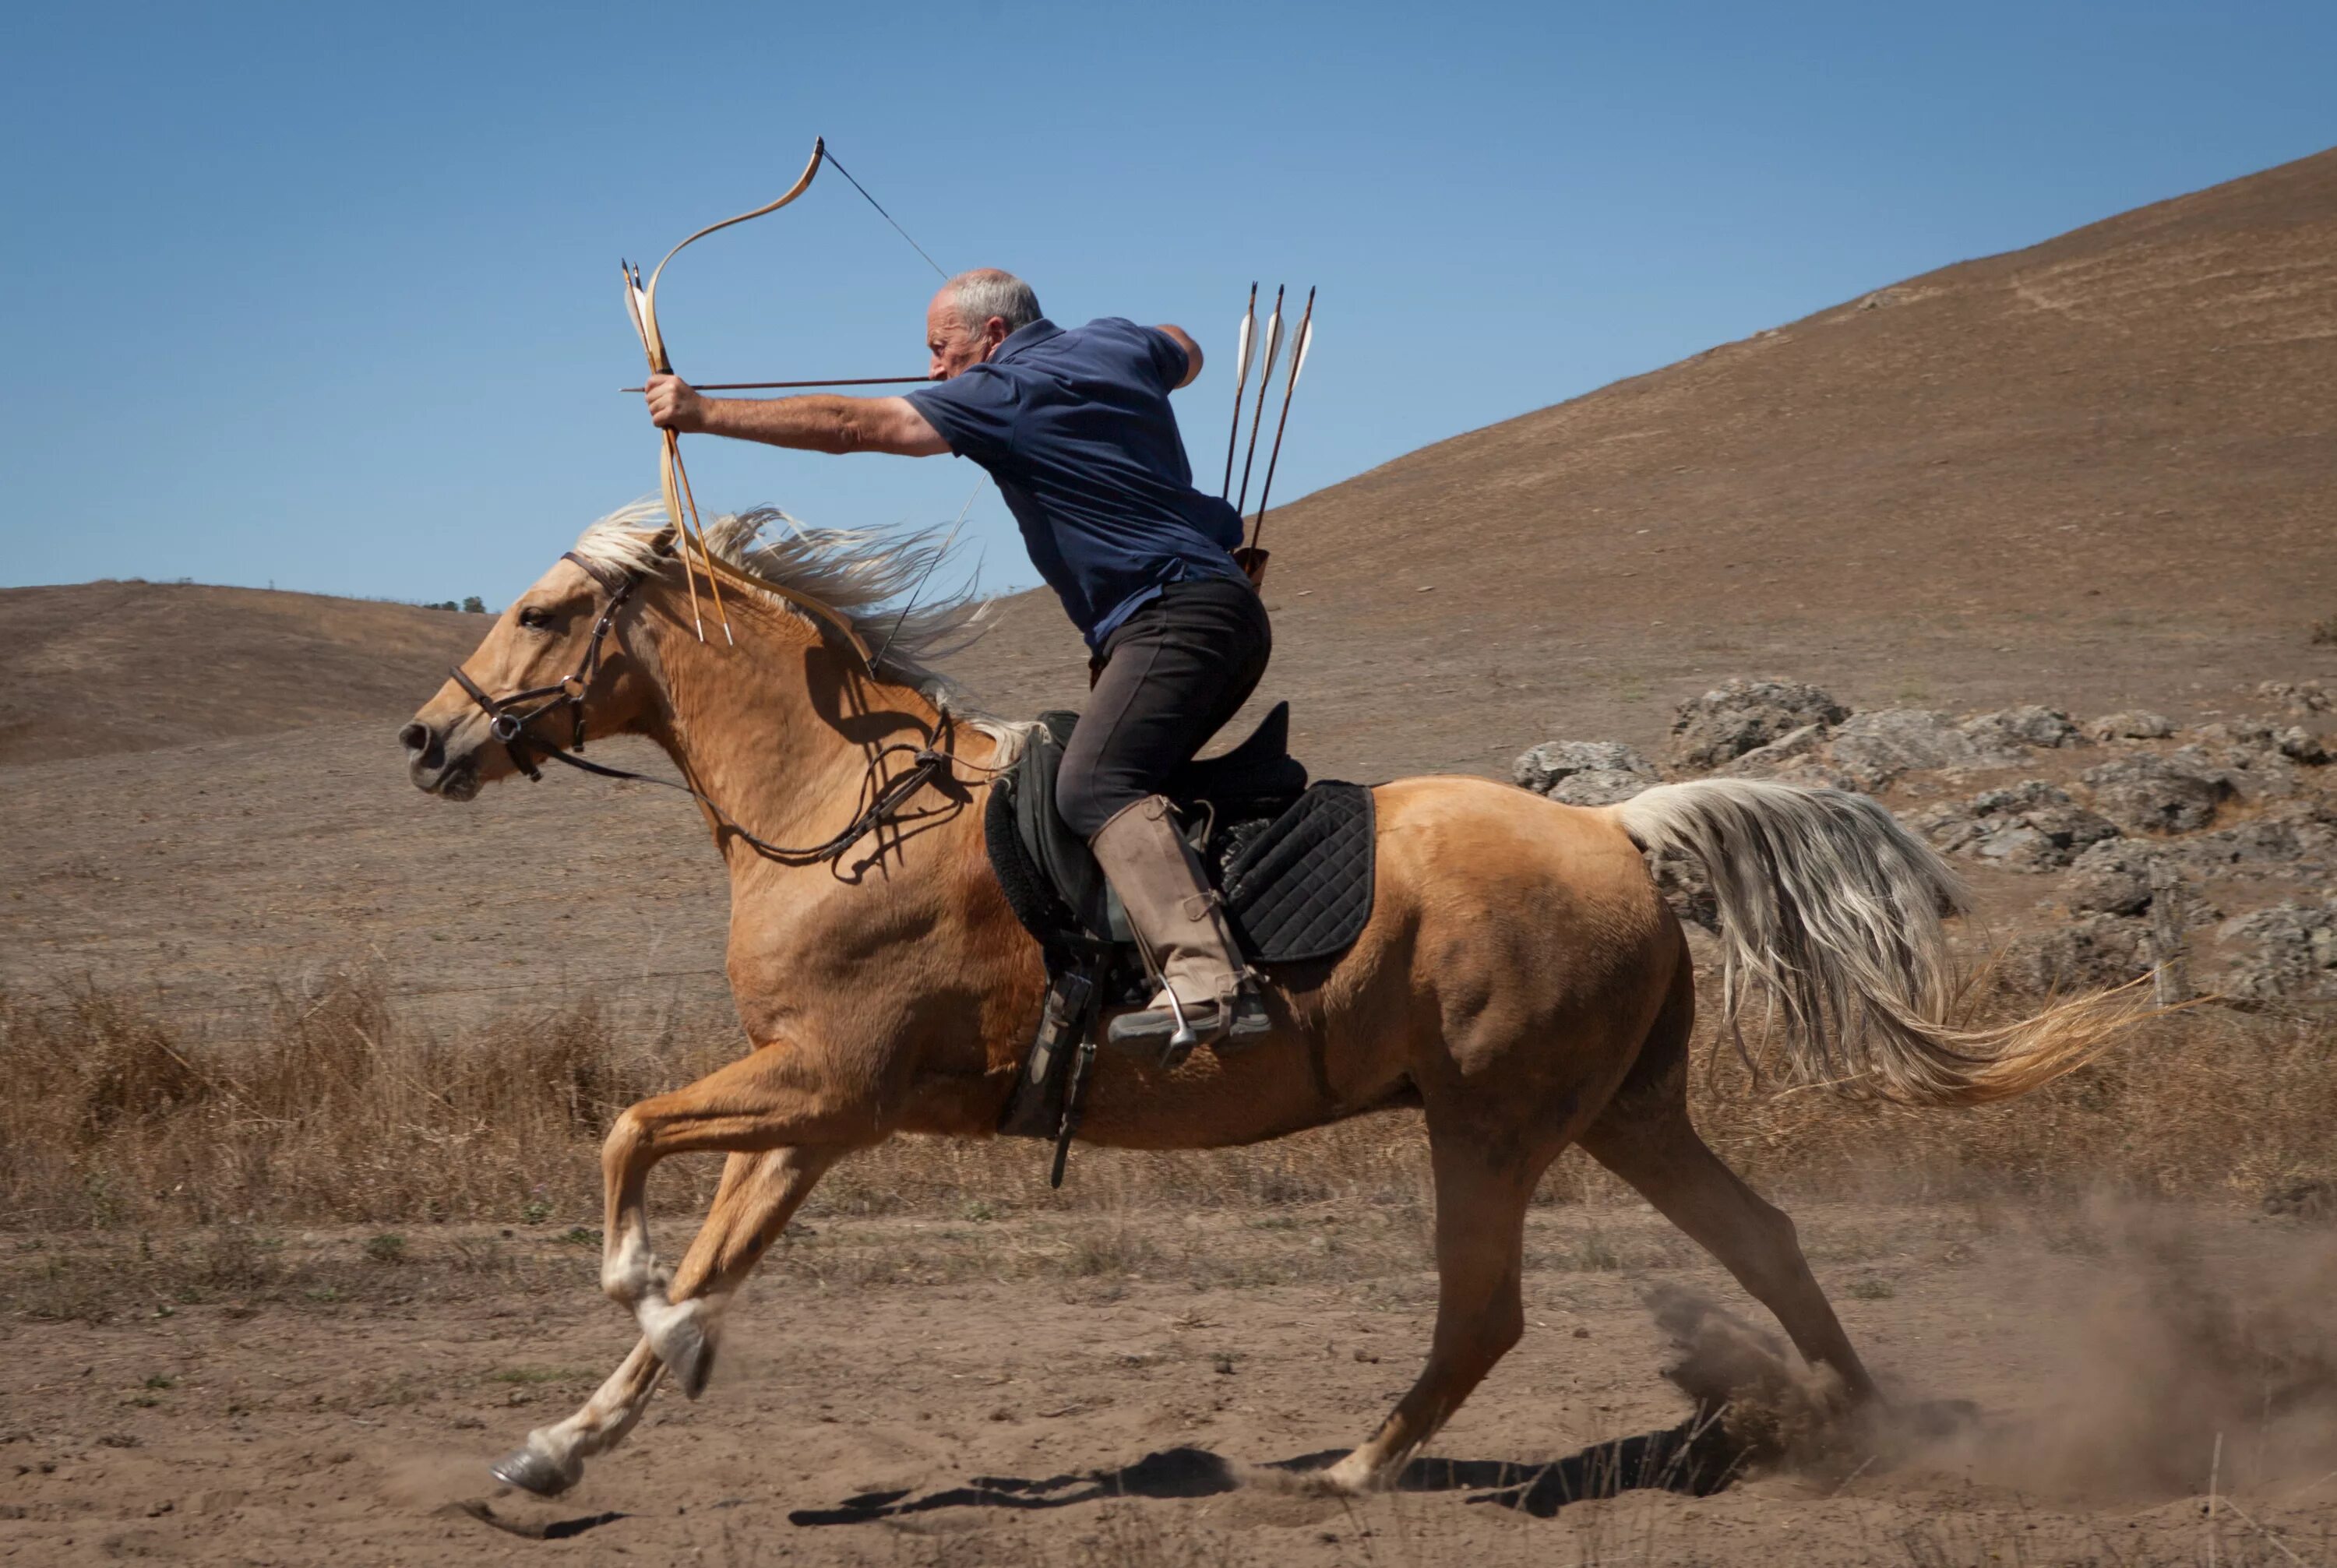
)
(556, 664)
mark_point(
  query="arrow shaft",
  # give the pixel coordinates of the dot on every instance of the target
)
(1241, 380)
(777, 385)
(1265, 377)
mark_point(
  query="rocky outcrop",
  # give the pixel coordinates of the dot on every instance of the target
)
(2013, 728)
(2300, 697)
(1877, 747)
(2148, 793)
(2032, 826)
(1743, 716)
(2287, 953)
(2111, 878)
(2090, 951)
(2112, 818)
(1584, 772)
(2138, 725)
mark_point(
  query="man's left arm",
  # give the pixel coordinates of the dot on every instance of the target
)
(1183, 339)
(821, 422)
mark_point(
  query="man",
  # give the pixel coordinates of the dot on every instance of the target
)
(1076, 428)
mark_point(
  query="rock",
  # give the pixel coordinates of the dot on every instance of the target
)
(2287, 953)
(1766, 762)
(2110, 877)
(1681, 879)
(2031, 826)
(1730, 720)
(1876, 747)
(2263, 844)
(1950, 825)
(2300, 745)
(2094, 950)
(1584, 772)
(2152, 793)
(2026, 726)
(1600, 787)
(2136, 725)
(2302, 698)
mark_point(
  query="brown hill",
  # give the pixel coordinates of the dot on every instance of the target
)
(108, 666)
(2099, 471)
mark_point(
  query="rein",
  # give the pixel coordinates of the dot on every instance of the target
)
(508, 717)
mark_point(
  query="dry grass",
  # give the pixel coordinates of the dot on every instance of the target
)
(339, 1108)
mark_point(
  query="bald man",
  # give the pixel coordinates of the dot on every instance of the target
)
(1076, 428)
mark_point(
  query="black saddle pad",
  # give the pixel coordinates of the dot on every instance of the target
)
(1294, 861)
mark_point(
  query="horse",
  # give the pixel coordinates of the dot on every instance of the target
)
(1520, 982)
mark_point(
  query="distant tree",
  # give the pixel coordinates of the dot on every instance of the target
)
(474, 605)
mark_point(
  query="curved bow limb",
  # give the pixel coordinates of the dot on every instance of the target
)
(674, 476)
(650, 338)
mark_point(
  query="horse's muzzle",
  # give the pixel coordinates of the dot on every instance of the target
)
(429, 767)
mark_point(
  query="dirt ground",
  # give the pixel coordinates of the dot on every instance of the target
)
(1118, 1388)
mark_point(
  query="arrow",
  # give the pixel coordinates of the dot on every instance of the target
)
(1265, 375)
(1241, 380)
(768, 385)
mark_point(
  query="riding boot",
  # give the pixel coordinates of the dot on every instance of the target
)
(1179, 922)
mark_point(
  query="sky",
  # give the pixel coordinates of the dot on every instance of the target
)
(325, 297)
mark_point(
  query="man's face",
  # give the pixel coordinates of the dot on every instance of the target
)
(953, 344)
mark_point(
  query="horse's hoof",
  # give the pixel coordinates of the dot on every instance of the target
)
(688, 1354)
(531, 1470)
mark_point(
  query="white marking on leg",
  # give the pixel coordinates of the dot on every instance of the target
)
(629, 1270)
(604, 1419)
(682, 1333)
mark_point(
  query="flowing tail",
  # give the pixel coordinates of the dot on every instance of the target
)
(1835, 909)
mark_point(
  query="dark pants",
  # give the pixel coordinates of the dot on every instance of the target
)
(1170, 676)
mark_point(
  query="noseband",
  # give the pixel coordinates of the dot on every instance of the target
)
(509, 717)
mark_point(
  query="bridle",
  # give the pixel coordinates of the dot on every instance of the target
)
(508, 717)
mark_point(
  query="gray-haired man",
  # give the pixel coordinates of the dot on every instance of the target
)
(1076, 428)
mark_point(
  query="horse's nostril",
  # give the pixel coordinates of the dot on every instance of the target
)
(415, 736)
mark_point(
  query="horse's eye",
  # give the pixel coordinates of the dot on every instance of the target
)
(533, 619)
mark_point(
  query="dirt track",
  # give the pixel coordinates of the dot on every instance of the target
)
(879, 1367)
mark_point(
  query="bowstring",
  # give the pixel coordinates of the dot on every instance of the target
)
(888, 217)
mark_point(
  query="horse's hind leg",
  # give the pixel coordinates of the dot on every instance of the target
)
(1481, 1209)
(1644, 1135)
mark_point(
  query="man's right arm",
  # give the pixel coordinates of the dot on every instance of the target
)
(819, 423)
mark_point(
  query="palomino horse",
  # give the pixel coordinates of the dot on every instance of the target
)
(1521, 981)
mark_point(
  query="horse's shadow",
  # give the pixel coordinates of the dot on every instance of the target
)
(1695, 1458)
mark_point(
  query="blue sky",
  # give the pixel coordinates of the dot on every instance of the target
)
(326, 296)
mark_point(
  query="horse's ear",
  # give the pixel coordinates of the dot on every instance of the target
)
(662, 541)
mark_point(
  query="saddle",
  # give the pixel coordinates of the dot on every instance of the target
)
(1292, 859)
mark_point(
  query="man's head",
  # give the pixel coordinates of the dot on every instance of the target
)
(973, 314)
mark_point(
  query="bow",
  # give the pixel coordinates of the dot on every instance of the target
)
(681, 505)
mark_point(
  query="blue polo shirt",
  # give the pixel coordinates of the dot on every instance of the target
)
(1075, 427)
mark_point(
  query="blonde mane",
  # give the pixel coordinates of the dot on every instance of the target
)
(859, 573)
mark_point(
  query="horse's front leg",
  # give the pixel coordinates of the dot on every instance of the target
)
(759, 1194)
(778, 1097)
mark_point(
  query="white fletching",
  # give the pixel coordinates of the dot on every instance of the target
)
(1241, 358)
(1306, 341)
(1272, 344)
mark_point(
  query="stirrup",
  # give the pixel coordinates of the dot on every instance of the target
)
(1175, 1029)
